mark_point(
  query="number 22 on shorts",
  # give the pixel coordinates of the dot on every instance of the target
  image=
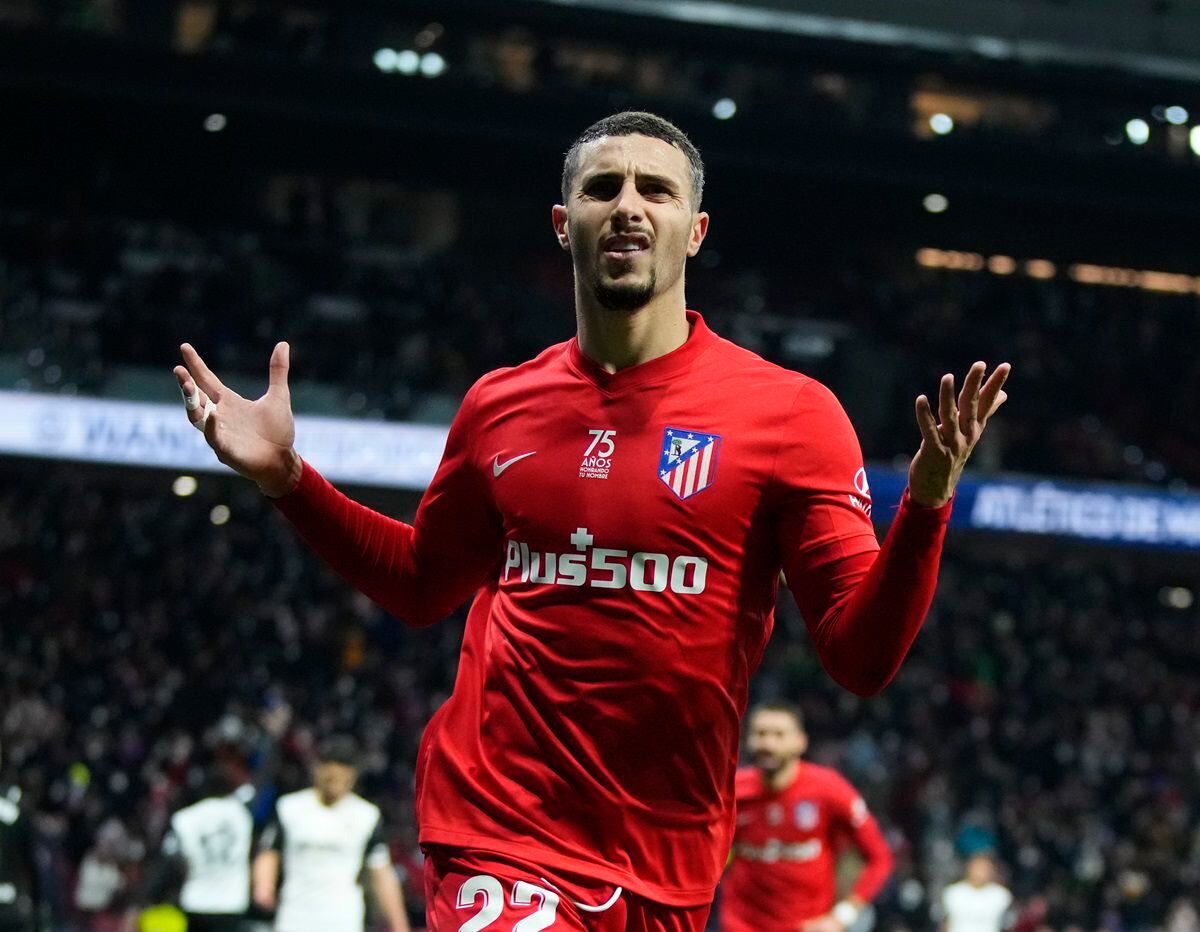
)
(523, 894)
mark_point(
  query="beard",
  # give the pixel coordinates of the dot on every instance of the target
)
(615, 296)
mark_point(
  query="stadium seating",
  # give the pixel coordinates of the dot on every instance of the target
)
(1049, 709)
(384, 328)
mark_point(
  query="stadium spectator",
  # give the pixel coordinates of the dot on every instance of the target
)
(104, 879)
(1183, 917)
(21, 902)
(978, 902)
(794, 820)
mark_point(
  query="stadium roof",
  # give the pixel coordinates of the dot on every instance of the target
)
(1111, 34)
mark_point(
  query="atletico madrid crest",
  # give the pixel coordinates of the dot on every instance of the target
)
(807, 815)
(689, 460)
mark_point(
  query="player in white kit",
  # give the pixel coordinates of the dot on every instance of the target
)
(977, 903)
(323, 839)
(213, 838)
(208, 845)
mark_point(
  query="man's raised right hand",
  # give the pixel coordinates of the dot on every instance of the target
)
(254, 438)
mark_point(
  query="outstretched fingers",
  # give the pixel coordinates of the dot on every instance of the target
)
(204, 376)
(195, 401)
(928, 423)
(947, 410)
(1000, 399)
(208, 425)
(968, 399)
(992, 396)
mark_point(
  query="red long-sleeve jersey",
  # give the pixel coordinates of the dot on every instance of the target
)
(785, 850)
(625, 533)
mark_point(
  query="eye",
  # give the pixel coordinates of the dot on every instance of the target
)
(604, 189)
(659, 190)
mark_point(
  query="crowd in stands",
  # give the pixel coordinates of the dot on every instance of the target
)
(144, 645)
(395, 300)
(1050, 710)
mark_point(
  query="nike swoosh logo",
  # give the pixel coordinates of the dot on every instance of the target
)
(498, 467)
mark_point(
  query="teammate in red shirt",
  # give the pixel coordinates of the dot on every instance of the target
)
(793, 821)
(620, 508)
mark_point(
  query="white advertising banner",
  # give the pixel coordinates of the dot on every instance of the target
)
(131, 433)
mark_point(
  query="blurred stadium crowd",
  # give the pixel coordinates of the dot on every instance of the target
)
(167, 650)
(1050, 710)
(396, 300)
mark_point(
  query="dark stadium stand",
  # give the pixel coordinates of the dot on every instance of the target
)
(1050, 708)
(153, 653)
(384, 325)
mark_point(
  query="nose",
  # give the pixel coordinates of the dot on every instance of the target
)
(629, 207)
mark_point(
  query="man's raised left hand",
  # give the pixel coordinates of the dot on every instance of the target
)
(946, 445)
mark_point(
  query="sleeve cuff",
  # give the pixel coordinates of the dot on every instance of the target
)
(309, 480)
(909, 508)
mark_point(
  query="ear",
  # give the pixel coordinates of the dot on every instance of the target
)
(699, 231)
(558, 216)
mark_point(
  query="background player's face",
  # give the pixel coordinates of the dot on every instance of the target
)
(630, 223)
(980, 871)
(774, 740)
(333, 780)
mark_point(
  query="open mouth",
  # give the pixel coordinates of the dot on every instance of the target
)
(626, 247)
(624, 254)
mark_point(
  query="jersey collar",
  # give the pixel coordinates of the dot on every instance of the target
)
(661, 369)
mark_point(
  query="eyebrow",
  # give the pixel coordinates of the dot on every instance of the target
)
(642, 178)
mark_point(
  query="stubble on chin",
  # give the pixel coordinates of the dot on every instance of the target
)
(617, 296)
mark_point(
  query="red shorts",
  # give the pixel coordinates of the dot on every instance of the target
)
(473, 891)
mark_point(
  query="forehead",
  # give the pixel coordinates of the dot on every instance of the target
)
(775, 721)
(632, 155)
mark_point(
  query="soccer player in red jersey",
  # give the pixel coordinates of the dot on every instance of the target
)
(620, 508)
(793, 821)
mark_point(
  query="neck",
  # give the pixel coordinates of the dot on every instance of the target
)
(616, 340)
(782, 778)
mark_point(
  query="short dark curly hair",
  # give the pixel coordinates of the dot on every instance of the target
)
(636, 123)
